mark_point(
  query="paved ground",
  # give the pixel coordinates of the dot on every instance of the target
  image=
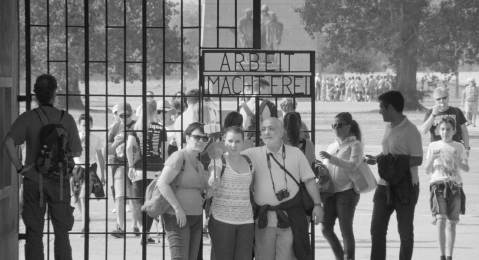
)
(103, 246)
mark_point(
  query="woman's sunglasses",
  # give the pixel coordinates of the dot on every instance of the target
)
(338, 125)
(124, 115)
(203, 138)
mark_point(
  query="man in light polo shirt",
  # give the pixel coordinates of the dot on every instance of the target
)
(274, 187)
(401, 137)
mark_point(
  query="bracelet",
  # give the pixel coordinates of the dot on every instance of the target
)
(317, 204)
(20, 170)
(132, 167)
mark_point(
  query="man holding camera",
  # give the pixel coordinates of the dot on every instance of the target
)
(274, 192)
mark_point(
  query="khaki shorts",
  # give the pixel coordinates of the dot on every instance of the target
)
(471, 107)
(119, 183)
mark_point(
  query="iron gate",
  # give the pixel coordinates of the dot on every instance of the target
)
(105, 52)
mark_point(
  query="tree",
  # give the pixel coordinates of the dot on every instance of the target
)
(101, 40)
(452, 40)
(387, 26)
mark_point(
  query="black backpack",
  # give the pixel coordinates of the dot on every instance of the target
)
(54, 159)
(250, 131)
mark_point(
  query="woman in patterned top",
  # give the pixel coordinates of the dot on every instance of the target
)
(231, 223)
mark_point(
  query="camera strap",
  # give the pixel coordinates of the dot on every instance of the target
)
(284, 170)
(268, 155)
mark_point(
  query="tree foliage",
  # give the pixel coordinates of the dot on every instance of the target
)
(115, 41)
(451, 37)
(383, 26)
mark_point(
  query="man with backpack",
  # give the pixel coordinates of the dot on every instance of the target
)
(248, 110)
(52, 140)
(117, 147)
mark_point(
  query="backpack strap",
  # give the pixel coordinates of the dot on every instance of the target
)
(223, 167)
(250, 163)
(43, 116)
(246, 109)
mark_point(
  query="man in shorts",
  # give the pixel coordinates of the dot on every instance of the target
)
(116, 147)
(470, 97)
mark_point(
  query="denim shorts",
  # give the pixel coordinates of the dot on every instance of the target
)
(450, 207)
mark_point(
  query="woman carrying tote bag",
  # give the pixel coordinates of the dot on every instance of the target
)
(343, 158)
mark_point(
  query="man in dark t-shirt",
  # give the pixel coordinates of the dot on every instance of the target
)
(38, 189)
(441, 110)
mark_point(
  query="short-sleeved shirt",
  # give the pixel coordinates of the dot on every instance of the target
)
(269, 110)
(452, 112)
(470, 94)
(403, 139)
(295, 162)
(444, 168)
(119, 129)
(27, 129)
(95, 145)
(191, 184)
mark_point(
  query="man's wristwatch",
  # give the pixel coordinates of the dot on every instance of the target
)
(20, 170)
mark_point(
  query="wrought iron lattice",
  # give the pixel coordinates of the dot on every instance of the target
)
(105, 52)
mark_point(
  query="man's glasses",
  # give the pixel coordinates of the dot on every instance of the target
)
(203, 138)
(338, 125)
(441, 98)
(124, 115)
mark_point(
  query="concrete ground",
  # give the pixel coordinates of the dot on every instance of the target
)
(103, 246)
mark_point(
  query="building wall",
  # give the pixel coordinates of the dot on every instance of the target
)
(8, 106)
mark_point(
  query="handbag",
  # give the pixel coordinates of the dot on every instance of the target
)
(325, 184)
(308, 203)
(363, 179)
(155, 203)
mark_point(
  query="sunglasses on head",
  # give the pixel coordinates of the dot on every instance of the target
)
(203, 138)
(124, 115)
(441, 98)
(338, 125)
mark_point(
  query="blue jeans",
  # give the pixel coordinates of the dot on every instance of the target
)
(231, 242)
(379, 224)
(184, 242)
(34, 218)
(342, 206)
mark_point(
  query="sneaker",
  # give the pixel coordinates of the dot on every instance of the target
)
(149, 241)
(128, 208)
(114, 210)
(118, 232)
(136, 230)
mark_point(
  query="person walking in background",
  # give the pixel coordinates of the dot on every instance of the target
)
(372, 88)
(116, 146)
(445, 160)
(288, 105)
(470, 100)
(96, 158)
(155, 141)
(343, 157)
(398, 190)
(231, 223)
(37, 187)
(293, 136)
(183, 220)
(317, 89)
(441, 110)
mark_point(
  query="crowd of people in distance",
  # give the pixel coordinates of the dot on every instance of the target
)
(248, 189)
(352, 89)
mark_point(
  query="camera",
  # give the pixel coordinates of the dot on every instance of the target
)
(282, 194)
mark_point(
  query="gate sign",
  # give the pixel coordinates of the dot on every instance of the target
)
(232, 72)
